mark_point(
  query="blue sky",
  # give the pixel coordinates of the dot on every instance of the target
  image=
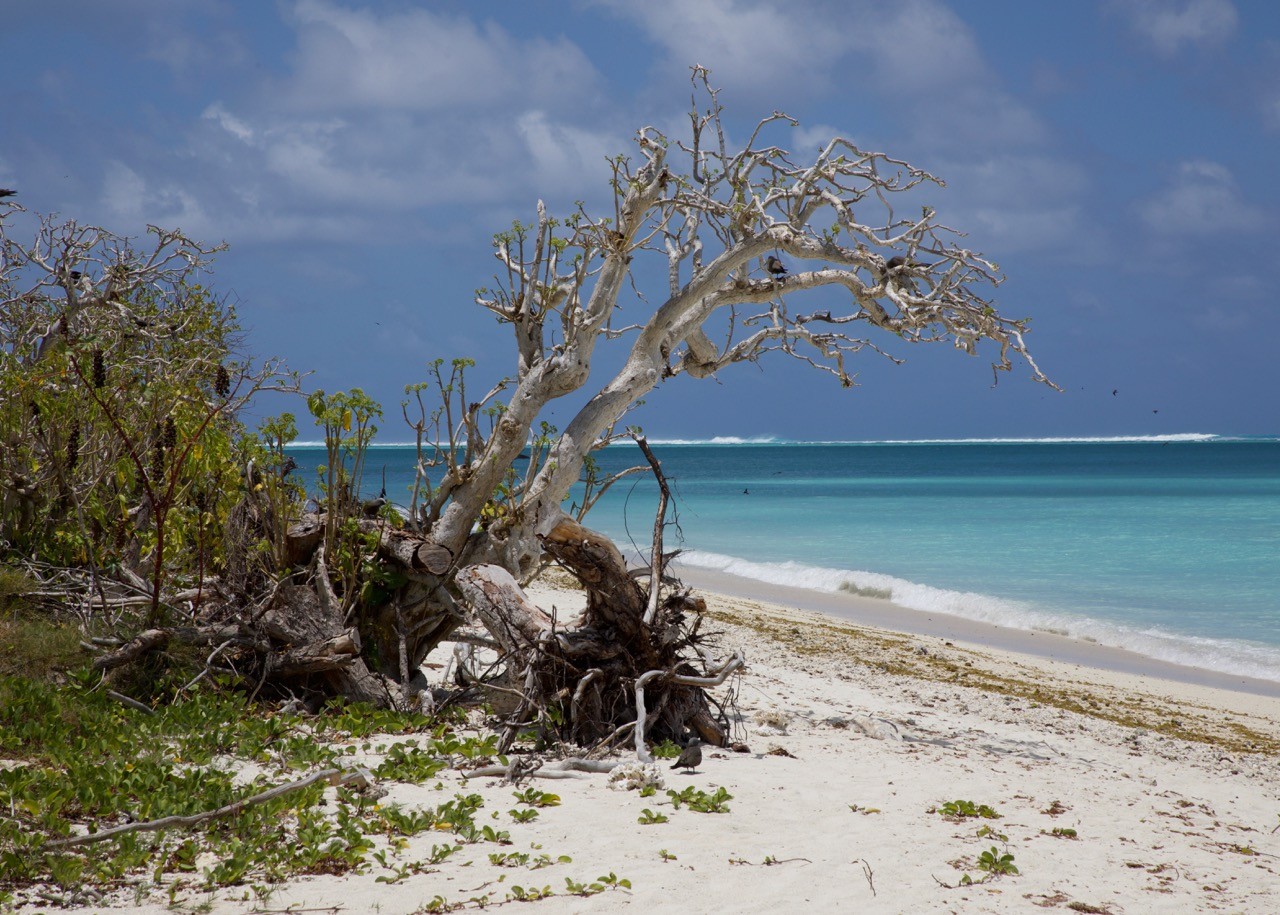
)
(1118, 159)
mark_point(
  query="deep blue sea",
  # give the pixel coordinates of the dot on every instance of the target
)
(1167, 546)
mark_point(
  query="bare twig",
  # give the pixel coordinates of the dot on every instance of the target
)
(659, 522)
(867, 872)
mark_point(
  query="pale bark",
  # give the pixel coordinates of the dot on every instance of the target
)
(713, 225)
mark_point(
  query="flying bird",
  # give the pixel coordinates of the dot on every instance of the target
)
(1115, 391)
(691, 758)
(775, 266)
(8, 192)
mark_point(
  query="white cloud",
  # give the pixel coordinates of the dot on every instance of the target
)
(126, 195)
(1200, 199)
(566, 156)
(1271, 111)
(1169, 25)
(384, 112)
(228, 122)
(810, 138)
(1013, 229)
(927, 61)
(1009, 177)
(192, 38)
(419, 60)
(123, 190)
(964, 125)
(1022, 201)
(395, 163)
(387, 110)
(921, 59)
(918, 47)
(750, 45)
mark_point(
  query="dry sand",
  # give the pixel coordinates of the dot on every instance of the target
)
(1171, 789)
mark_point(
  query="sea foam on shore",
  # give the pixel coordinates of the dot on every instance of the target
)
(1230, 656)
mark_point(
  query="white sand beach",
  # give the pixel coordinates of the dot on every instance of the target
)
(1116, 792)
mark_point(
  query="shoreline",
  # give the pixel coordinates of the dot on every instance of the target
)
(1074, 654)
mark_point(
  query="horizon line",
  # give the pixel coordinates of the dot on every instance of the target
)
(731, 440)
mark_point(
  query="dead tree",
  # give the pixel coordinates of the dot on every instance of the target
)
(744, 234)
(714, 222)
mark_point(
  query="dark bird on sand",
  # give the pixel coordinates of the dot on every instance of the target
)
(775, 266)
(691, 758)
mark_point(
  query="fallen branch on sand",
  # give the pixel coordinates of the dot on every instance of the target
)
(565, 768)
(332, 776)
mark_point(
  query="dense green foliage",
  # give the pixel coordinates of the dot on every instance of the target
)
(107, 419)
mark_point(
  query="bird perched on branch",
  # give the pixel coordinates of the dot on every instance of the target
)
(898, 260)
(691, 758)
(373, 506)
(775, 267)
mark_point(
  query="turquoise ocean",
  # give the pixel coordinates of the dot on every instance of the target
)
(1168, 546)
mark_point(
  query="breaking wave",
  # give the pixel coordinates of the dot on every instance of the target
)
(1047, 440)
(1057, 440)
(717, 440)
(1230, 656)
